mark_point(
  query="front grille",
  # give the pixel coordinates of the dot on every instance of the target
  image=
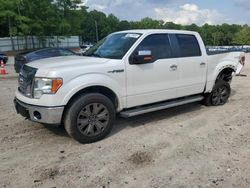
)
(25, 80)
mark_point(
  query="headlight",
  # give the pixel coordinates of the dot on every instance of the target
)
(46, 86)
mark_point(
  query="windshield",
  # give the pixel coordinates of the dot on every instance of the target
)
(114, 46)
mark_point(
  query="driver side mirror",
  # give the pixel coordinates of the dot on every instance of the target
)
(141, 57)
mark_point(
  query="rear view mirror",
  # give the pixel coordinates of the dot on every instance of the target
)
(141, 57)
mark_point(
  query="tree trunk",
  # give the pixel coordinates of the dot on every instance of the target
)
(10, 33)
(26, 42)
(32, 39)
(56, 41)
(17, 42)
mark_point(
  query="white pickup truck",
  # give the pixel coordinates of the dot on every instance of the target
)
(127, 73)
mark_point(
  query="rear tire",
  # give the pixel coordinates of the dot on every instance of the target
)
(219, 95)
(90, 118)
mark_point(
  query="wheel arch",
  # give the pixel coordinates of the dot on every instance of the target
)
(97, 89)
(224, 71)
(225, 74)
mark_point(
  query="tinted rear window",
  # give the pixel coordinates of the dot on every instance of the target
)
(189, 45)
(48, 52)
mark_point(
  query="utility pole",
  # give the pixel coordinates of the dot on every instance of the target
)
(96, 31)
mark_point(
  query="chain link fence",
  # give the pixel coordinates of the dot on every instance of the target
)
(33, 42)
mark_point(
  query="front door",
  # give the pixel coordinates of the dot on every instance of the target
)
(155, 81)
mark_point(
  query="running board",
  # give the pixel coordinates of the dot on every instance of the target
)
(159, 106)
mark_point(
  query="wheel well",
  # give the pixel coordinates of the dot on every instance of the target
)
(225, 74)
(98, 89)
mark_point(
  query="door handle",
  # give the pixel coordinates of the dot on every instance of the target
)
(173, 67)
(202, 64)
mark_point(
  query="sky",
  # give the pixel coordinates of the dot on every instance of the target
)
(177, 11)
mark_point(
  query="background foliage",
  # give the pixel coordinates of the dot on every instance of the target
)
(65, 17)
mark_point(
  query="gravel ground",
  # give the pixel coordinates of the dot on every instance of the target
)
(187, 146)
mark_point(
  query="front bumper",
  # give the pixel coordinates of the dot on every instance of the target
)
(41, 114)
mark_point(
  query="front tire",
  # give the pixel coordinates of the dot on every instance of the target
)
(219, 95)
(90, 118)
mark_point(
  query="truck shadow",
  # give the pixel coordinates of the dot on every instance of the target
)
(122, 123)
(57, 130)
(233, 92)
(140, 120)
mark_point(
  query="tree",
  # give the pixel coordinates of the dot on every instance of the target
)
(171, 25)
(112, 24)
(242, 37)
(10, 15)
(147, 23)
(192, 27)
(66, 6)
(124, 25)
(70, 13)
(68, 17)
(206, 32)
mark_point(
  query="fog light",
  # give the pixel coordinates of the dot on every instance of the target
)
(37, 115)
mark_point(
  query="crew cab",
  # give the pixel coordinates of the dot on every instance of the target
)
(127, 73)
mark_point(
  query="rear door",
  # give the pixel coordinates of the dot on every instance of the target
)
(192, 65)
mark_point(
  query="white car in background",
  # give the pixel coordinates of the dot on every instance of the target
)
(84, 48)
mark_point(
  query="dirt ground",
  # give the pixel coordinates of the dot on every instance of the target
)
(188, 146)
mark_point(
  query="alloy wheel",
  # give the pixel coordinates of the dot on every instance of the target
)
(220, 96)
(92, 119)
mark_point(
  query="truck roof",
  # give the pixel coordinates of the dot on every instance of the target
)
(151, 31)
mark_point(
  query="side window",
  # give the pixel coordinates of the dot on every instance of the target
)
(43, 52)
(189, 45)
(54, 52)
(158, 44)
(48, 52)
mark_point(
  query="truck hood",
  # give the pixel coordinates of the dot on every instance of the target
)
(64, 62)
